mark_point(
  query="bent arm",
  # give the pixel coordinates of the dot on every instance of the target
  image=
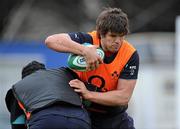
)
(63, 43)
(118, 97)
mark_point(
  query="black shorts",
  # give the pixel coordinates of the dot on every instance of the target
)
(60, 117)
(120, 120)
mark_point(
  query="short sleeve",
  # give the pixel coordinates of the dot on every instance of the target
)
(130, 70)
(80, 37)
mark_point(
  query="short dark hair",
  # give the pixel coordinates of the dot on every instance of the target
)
(112, 20)
(32, 67)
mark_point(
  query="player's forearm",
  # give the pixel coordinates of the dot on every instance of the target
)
(111, 98)
(63, 43)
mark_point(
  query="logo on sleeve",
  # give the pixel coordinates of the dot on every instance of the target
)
(76, 36)
(132, 70)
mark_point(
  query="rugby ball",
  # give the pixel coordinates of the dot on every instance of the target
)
(78, 62)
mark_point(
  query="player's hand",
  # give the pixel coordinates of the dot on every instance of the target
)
(92, 58)
(79, 87)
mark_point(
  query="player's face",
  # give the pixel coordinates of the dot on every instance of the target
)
(111, 42)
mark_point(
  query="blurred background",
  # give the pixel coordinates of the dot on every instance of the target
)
(154, 31)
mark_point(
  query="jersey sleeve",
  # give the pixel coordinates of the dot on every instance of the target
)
(130, 70)
(80, 37)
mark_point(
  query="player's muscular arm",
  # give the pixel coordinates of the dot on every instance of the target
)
(118, 97)
(63, 43)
